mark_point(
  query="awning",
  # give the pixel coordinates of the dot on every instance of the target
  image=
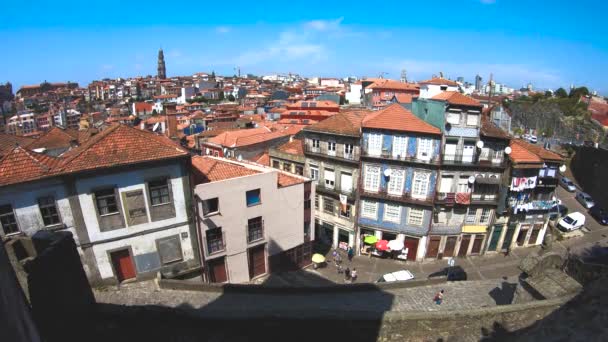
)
(474, 229)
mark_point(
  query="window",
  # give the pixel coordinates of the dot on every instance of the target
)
(106, 202)
(314, 172)
(463, 184)
(307, 230)
(392, 212)
(471, 216)
(8, 220)
(346, 211)
(211, 206)
(372, 178)
(253, 197)
(453, 118)
(286, 166)
(276, 164)
(425, 147)
(159, 192)
(472, 119)
(299, 170)
(316, 201)
(485, 215)
(369, 209)
(348, 151)
(49, 212)
(443, 88)
(415, 217)
(331, 148)
(399, 146)
(374, 144)
(255, 229)
(169, 249)
(330, 179)
(328, 205)
(421, 184)
(346, 182)
(395, 183)
(215, 240)
(315, 145)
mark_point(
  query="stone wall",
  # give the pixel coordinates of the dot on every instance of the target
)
(589, 166)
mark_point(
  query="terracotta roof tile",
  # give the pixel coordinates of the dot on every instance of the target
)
(541, 152)
(217, 169)
(120, 145)
(21, 165)
(9, 141)
(404, 98)
(392, 84)
(397, 118)
(489, 129)
(262, 159)
(55, 138)
(346, 123)
(295, 147)
(229, 138)
(456, 98)
(287, 180)
(439, 81)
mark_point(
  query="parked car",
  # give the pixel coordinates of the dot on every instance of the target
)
(557, 212)
(585, 199)
(572, 222)
(599, 214)
(392, 277)
(533, 139)
(567, 184)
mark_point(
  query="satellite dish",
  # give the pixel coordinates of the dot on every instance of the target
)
(562, 168)
(508, 150)
(480, 144)
(472, 179)
(388, 172)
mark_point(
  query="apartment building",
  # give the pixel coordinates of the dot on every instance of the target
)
(399, 169)
(288, 157)
(332, 150)
(251, 220)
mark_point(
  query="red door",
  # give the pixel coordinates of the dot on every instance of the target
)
(217, 270)
(412, 248)
(257, 261)
(433, 247)
(123, 265)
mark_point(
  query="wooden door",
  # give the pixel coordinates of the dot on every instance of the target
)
(257, 261)
(521, 237)
(123, 265)
(217, 270)
(412, 248)
(464, 245)
(477, 244)
(433, 247)
(450, 246)
(534, 235)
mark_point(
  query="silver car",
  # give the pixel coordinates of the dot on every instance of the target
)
(585, 199)
(567, 184)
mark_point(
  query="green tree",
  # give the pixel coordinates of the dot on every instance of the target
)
(578, 92)
(231, 98)
(154, 112)
(548, 94)
(561, 93)
(221, 95)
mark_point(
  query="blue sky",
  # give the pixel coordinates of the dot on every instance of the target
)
(549, 43)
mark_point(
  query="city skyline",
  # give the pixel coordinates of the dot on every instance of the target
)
(460, 39)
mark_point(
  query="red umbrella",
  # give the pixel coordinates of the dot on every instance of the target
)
(382, 245)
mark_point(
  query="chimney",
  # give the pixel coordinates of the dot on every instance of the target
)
(172, 125)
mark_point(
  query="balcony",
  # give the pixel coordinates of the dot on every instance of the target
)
(324, 189)
(484, 199)
(547, 182)
(405, 197)
(255, 230)
(460, 159)
(352, 157)
(453, 198)
(388, 155)
(214, 245)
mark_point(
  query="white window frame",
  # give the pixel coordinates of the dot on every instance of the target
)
(463, 183)
(316, 145)
(471, 216)
(396, 181)
(329, 178)
(314, 172)
(371, 178)
(425, 148)
(487, 213)
(392, 213)
(415, 217)
(349, 150)
(399, 146)
(331, 148)
(451, 118)
(369, 209)
(472, 116)
(374, 144)
(420, 184)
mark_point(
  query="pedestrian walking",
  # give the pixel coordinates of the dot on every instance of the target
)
(350, 253)
(334, 253)
(347, 275)
(438, 297)
(353, 275)
(338, 259)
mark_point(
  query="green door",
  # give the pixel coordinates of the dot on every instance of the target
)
(495, 237)
(508, 236)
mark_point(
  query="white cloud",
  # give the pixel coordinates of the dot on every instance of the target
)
(324, 25)
(223, 29)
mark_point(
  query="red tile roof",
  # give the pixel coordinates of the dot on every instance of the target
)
(229, 138)
(397, 118)
(456, 98)
(393, 85)
(262, 159)
(520, 154)
(285, 179)
(404, 98)
(295, 147)
(489, 129)
(540, 152)
(143, 107)
(55, 138)
(21, 165)
(439, 81)
(120, 145)
(216, 169)
(8, 142)
(345, 123)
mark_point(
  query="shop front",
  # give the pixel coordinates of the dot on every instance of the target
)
(388, 244)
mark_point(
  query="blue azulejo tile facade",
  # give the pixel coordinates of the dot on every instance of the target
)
(413, 141)
(403, 226)
(408, 179)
